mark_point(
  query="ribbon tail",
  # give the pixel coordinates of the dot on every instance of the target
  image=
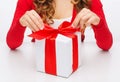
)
(75, 53)
(50, 57)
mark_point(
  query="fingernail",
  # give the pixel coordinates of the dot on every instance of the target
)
(82, 31)
(73, 26)
(42, 27)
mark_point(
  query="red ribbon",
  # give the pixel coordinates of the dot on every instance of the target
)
(48, 32)
(50, 35)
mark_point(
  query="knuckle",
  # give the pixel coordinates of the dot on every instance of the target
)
(84, 8)
(82, 19)
(27, 12)
(87, 9)
(32, 10)
(33, 18)
(21, 20)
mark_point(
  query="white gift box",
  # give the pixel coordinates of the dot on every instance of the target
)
(64, 54)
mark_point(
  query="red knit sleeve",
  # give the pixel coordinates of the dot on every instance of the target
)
(15, 34)
(102, 33)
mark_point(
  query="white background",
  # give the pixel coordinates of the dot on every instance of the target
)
(97, 66)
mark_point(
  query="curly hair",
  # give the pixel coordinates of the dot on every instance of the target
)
(45, 8)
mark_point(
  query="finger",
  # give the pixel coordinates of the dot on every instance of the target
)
(31, 23)
(82, 30)
(77, 19)
(32, 29)
(91, 21)
(84, 19)
(22, 21)
(32, 20)
(28, 25)
(82, 13)
(39, 21)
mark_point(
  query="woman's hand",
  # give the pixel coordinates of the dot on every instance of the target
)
(32, 20)
(85, 18)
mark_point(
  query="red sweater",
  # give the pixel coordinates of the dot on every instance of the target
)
(15, 34)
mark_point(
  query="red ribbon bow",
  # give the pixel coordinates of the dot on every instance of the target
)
(65, 29)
